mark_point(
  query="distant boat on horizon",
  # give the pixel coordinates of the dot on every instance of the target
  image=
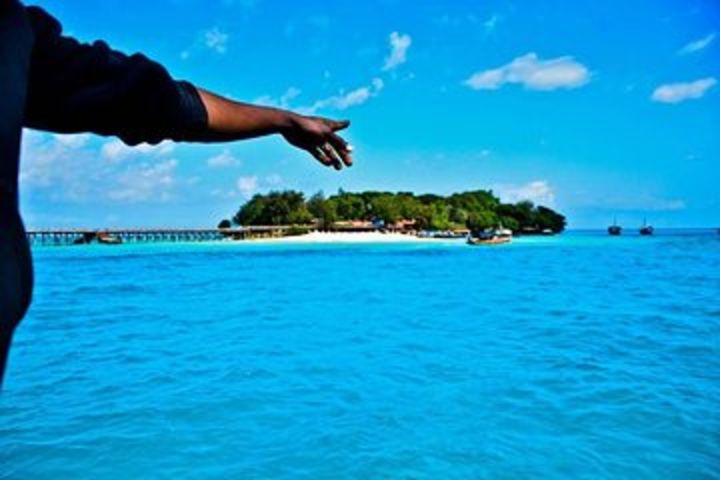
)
(614, 229)
(646, 229)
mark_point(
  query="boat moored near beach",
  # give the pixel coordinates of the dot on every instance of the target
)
(444, 234)
(493, 236)
(105, 238)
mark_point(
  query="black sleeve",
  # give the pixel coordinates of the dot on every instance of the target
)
(76, 87)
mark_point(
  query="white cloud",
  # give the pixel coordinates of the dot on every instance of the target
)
(51, 161)
(399, 45)
(73, 140)
(216, 40)
(145, 182)
(347, 100)
(213, 39)
(281, 102)
(678, 92)
(68, 168)
(533, 73)
(115, 151)
(290, 94)
(247, 186)
(223, 160)
(538, 191)
(697, 45)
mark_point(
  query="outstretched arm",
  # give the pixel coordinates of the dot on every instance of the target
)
(76, 87)
(229, 120)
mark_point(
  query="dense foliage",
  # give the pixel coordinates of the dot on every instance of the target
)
(474, 210)
(275, 208)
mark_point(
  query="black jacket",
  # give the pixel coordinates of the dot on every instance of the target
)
(75, 87)
(52, 82)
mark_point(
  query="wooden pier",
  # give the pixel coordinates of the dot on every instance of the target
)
(146, 235)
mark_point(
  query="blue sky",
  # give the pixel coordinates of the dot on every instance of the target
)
(598, 109)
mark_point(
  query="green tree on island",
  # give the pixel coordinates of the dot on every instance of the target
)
(474, 210)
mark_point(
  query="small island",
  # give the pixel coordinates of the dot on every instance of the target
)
(400, 212)
(379, 216)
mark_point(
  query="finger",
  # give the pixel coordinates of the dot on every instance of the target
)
(342, 148)
(336, 125)
(330, 152)
(320, 156)
(338, 142)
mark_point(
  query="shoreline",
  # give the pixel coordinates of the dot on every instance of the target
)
(344, 237)
(58, 238)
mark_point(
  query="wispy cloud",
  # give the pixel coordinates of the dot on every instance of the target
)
(679, 92)
(281, 102)
(148, 181)
(697, 45)
(399, 45)
(664, 205)
(51, 162)
(74, 168)
(533, 73)
(491, 23)
(634, 202)
(223, 160)
(72, 141)
(216, 40)
(224, 194)
(247, 186)
(537, 191)
(344, 101)
(115, 151)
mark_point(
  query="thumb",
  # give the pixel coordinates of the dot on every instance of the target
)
(336, 125)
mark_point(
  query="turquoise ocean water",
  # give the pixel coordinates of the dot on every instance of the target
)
(573, 357)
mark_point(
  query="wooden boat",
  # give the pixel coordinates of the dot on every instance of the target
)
(442, 234)
(646, 229)
(491, 237)
(85, 239)
(614, 229)
(107, 239)
(488, 241)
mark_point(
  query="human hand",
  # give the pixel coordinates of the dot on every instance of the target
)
(317, 136)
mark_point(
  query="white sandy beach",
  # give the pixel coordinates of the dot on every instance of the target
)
(346, 237)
